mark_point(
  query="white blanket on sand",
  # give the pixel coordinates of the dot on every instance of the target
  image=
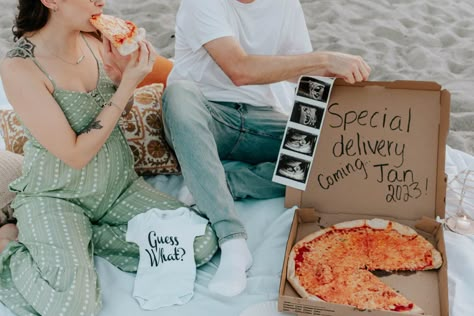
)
(268, 223)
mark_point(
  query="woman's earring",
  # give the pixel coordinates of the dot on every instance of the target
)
(55, 9)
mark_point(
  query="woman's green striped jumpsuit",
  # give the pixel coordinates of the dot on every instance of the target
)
(65, 215)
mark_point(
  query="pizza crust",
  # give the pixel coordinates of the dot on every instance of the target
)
(416, 310)
(437, 259)
(350, 224)
(291, 269)
(131, 45)
(293, 279)
(378, 223)
(343, 225)
(314, 235)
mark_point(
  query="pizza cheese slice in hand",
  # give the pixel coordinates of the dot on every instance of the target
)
(124, 35)
(333, 264)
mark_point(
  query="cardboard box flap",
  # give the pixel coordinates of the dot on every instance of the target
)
(427, 224)
(398, 84)
(381, 152)
(442, 138)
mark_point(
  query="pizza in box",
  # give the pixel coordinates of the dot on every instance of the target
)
(124, 35)
(334, 264)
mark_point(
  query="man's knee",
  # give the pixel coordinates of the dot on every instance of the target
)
(184, 110)
(180, 98)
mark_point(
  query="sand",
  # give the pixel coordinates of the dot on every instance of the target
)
(429, 40)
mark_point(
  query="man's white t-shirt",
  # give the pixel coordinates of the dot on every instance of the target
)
(166, 270)
(262, 27)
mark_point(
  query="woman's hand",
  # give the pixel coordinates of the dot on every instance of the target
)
(140, 64)
(114, 63)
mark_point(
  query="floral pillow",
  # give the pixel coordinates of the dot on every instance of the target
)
(10, 169)
(142, 126)
(12, 131)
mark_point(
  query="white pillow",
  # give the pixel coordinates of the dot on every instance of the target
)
(3, 98)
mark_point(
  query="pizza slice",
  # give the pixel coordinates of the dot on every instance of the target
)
(342, 284)
(124, 35)
(349, 286)
(337, 243)
(396, 247)
(369, 292)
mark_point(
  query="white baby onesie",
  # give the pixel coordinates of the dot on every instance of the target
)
(166, 271)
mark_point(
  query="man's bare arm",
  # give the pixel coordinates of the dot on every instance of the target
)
(245, 69)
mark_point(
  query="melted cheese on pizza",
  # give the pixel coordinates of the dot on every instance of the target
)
(116, 30)
(335, 266)
(391, 251)
(339, 246)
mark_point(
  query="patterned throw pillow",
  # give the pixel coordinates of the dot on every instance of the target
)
(12, 131)
(10, 169)
(142, 126)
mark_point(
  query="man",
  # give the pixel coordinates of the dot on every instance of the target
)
(228, 97)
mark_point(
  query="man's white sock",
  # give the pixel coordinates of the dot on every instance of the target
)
(231, 278)
(185, 196)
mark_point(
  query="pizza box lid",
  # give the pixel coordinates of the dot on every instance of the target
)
(381, 152)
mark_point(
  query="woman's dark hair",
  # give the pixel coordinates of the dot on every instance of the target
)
(32, 16)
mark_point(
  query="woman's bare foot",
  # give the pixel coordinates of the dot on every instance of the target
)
(8, 233)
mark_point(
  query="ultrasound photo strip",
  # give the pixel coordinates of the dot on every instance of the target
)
(300, 141)
(293, 168)
(307, 115)
(314, 88)
(299, 144)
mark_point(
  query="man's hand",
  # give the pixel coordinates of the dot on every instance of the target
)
(351, 68)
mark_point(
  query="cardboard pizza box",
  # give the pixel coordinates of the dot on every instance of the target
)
(381, 153)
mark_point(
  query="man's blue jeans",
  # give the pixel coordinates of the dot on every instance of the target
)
(203, 133)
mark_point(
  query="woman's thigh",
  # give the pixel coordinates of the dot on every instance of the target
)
(52, 262)
(55, 231)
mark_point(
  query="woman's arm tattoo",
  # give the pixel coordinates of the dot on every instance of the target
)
(93, 125)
